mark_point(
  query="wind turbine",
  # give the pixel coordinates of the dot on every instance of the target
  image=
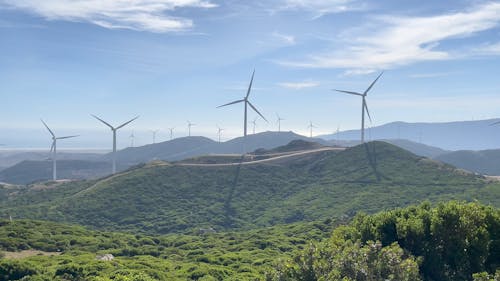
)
(154, 135)
(171, 132)
(310, 127)
(279, 119)
(53, 149)
(189, 127)
(114, 129)
(254, 122)
(132, 139)
(364, 106)
(246, 103)
(219, 132)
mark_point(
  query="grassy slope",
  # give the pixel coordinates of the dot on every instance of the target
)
(228, 256)
(162, 199)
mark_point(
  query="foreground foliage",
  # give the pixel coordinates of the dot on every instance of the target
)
(210, 256)
(454, 241)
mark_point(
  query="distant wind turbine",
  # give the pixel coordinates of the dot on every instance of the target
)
(154, 135)
(364, 106)
(219, 132)
(246, 103)
(254, 122)
(113, 129)
(171, 132)
(310, 127)
(132, 139)
(279, 119)
(189, 127)
(53, 149)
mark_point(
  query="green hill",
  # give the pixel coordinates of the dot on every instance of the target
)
(164, 198)
(486, 162)
(53, 251)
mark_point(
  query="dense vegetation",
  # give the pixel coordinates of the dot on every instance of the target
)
(452, 242)
(164, 198)
(205, 256)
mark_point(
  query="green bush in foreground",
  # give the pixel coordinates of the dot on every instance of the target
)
(450, 242)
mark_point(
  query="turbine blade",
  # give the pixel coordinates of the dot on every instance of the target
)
(368, 112)
(105, 123)
(67, 137)
(250, 86)
(496, 123)
(124, 124)
(52, 133)
(373, 83)
(253, 107)
(349, 92)
(238, 101)
(52, 146)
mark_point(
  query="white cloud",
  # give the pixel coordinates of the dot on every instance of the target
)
(146, 15)
(287, 39)
(489, 49)
(320, 7)
(298, 85)
(402, 41)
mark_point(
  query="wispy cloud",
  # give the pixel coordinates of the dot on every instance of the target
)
(488, 49)
(143, 15)
(299, 85)
(395, 41)
(287, 39)
(321, 7)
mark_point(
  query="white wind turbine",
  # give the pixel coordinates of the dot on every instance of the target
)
(53, 149)
(278, 120)
(246, 103)
(154, 132)
(254, 122)
(113, 129)
(310, 127)
(189, 127)
(364, 106)
(219, 131)
(171, 132)
(132, 137)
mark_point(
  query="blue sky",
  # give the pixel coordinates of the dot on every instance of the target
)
(170, 61)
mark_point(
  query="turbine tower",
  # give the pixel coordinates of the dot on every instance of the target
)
(310, 127)
(254, 122)
(113, 129)
(53, 149)
(154, 135)
(219, 132)
(364, 106)
(132, 139)
(278, 120)
(246, 103)
(171, 132)
(189, 127)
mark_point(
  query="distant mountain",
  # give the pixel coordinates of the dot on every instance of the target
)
(188, 147)
(418, 148)
(486, 162)
(10, 158)
(164, 197)
(27, 172)
(462, 135)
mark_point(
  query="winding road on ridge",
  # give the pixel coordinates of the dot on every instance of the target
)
(278, 156)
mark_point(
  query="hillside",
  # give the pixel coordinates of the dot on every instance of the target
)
(66, 252)
(27, 172)
(164, 198)
(188, 147)
(460, 135)
(486, 162)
